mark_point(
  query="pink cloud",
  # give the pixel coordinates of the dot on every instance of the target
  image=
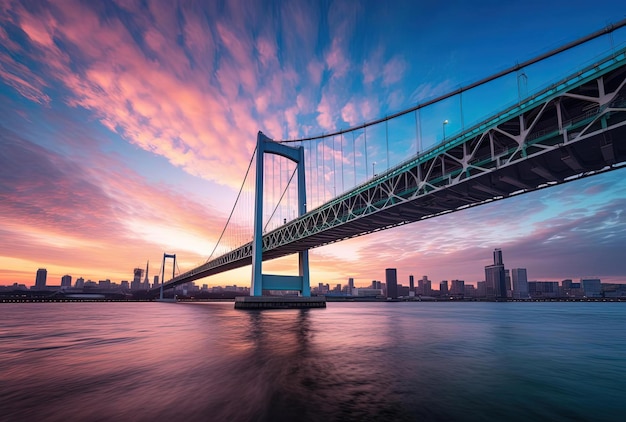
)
(394, 70)
(315, 69)
(336, 60)
(325, 113)
(349, 114)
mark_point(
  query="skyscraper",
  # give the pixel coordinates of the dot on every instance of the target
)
(136, 284)
(40, 280)
(520, 283)
(497, 257)
(495, 277)
(457, 288)
(391, 278)
(350, 286)
(426, 286)
(443, 288)
(411, 284)
(146, 281)
(66, 281)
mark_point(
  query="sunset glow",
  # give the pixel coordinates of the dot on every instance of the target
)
(126, 128)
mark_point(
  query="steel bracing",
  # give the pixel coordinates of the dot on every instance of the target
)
(572, 129)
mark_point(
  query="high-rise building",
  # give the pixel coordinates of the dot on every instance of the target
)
(411, 283)
(426, 286)
(520, 283)
(391, 279)
(40, 279)
(495, 277)
(443, 288)
(80, 283)
(350, 286)
(507, 283)
(156, 281)
(481, 291)
(146, 281)
(457, 288)
(136, 284)
(66, 281)
(591, 286)
(497, 257)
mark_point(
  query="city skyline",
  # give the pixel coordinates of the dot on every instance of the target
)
(115, 123)
(135, 282)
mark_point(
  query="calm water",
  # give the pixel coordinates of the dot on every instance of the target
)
(349, 362)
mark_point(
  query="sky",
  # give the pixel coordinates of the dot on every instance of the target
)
(126, 128)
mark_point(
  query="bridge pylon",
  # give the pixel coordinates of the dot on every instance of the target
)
(165, 256)
(261, 281)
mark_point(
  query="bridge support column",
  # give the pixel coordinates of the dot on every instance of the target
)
(261, 281)
(165, 256)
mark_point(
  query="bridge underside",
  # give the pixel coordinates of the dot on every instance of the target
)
(571, 130)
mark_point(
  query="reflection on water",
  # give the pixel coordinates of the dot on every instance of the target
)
(349, 362)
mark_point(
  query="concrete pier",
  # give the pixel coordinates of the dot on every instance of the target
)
(279, 302)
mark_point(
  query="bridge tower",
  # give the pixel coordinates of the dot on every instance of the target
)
(262, 281)
(165, 256)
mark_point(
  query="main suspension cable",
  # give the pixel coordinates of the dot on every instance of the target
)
(233, 210)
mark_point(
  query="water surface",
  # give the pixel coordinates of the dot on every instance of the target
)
(349, 362)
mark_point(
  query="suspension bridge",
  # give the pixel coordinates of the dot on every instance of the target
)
(422, 163)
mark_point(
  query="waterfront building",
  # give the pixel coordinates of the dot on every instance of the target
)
(66, 281)
(443, 288)
(592, 287)
(543, 289)
(481, 290)
(507, 283)
(80, 283)
(367, 292)
(136, 284)
(571, 289)
(457, 288)
(411, 284)
(350, 286)
(426, 286)
(40, 279)
(495, 277)
(391, 279)
(470, 291)
(519, 278)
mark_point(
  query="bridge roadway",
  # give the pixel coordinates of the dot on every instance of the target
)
(572, 129)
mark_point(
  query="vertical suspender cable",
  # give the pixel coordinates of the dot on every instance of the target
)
(365, 142)
(354, 157)
(387, 139)
(343, 188)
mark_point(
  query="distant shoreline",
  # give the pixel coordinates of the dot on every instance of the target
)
(333, 300)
